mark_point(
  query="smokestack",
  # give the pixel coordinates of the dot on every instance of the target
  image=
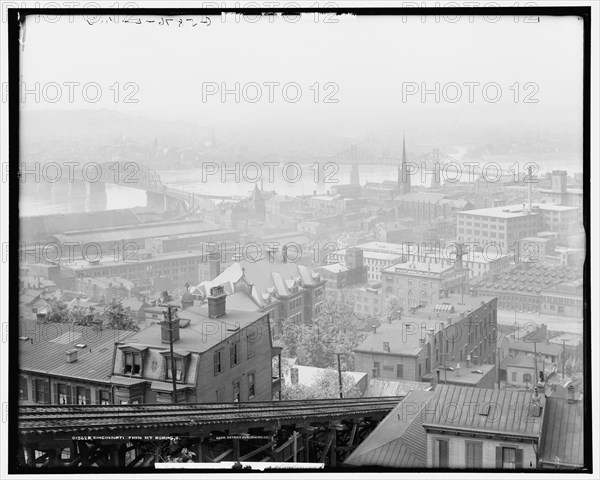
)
(164, 330)
(217, 302)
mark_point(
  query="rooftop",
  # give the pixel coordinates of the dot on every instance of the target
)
(404, 336)
(399, 441)
(202, 333)
(507, 211)
(144, 230)
(503, 412)
(44, 349)
(418, 267)
(562, 438)
(462, 374)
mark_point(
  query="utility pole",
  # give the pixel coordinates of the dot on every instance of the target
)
(340, 375)
(168, 314)
(563, 360)
(537, 374)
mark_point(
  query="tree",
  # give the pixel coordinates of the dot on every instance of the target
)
(326, 385)
(117, 317)
(84, 316)
(336, 329)
(57, 311)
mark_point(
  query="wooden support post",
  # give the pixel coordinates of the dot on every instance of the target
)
(333, 462)
(307, 446)
(199, 450)
(327, 446)
(236, 449)
(353, 434)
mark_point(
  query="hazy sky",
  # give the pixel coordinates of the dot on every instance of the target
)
(368, 60)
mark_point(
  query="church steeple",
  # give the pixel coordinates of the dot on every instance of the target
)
(403, 176)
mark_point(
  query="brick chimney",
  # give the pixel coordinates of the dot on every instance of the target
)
(216, 302)
(164, 330)
(214, 264)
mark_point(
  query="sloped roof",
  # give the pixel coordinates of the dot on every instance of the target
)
(562, 437)
(399, 441)
(44, 352)
(511, 412)
(379, 387)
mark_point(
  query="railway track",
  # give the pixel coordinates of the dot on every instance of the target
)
(88, 418)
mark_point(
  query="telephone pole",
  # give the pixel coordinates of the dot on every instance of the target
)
(563, 360)
(169, 316)
(340, 374)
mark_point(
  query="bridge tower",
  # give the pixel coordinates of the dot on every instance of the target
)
(403, 176)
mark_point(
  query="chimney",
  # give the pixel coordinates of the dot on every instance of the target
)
(386, 347)
(216, 302)
(214, 265)
(71, 355)
(431, 336)
(571, 394)
(374, 328)
(164, 330)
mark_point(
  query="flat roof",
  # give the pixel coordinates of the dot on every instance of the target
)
(507, 211)
(417, 267)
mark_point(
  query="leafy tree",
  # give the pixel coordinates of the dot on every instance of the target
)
(116, 317)
(84, 316)
(57, 311)
(336, 329)
(326, 385)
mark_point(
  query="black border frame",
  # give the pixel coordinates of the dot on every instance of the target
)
(16, 18)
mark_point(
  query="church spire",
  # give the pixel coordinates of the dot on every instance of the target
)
(403, 177)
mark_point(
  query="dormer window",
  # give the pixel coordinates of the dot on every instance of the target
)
(133, 360)
(132, 363)
(180, 366)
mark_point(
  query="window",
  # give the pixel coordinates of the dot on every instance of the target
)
(178, 368)
(218, 361)
(83, 396)
(219, 396)
(399, 371)
(41, 392)
(514, 376)
(234, 353)
(23, 391)
(236, 391)
(63, 394)
(440, 453)
(509, 457)
(526, 378)
(103, 397)
(251, 385)
(132, 364)
(375, 369)
(474, 453)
